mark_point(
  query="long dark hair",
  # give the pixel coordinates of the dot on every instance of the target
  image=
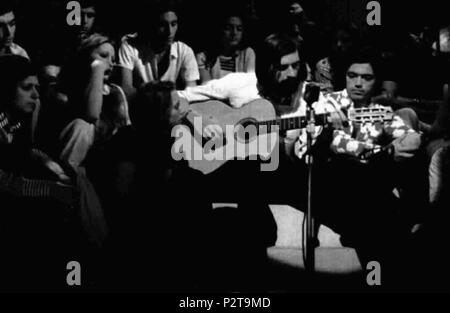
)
(369, 55)
(151, 106)
(214, 47)
(269, 54)
(150, 113)
(149, 18)
(13, 70)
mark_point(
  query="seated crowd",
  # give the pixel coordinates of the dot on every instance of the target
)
(87, 171)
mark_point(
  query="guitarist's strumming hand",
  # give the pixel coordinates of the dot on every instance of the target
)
(209, 128)
(406, 146)
(212, 131)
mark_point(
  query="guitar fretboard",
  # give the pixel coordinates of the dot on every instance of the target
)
(285, 124)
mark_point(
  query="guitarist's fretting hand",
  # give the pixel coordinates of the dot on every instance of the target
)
(338, 119)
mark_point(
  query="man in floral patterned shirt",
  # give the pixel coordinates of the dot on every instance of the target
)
(361, 200)
(355, 138)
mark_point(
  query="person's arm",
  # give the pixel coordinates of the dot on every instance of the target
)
(189, 68)
(344, 144)
(397, 128)
(191, 83)
(250, 60)
(126, 57)
(93, 93)
(205, 76)
(235, 88)
(126, 82)
(42, 158)
(404, 140)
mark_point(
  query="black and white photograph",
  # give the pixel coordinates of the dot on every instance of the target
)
(224, 152)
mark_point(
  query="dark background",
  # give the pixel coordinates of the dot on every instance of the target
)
(44, 21)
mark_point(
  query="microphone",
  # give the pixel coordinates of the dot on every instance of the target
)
(312, 92)
(311, 95)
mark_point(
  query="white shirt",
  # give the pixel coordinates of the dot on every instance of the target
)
(237, 88)
(141, 60)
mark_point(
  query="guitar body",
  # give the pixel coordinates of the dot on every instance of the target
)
(234, 145)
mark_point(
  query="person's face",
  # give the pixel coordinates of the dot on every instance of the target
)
(105, 53)
(288, 67)
(389, 88)
(342, 42)
(7, 29)
(285, 74)
(27, 95)
(87, 19)
(49, 75)
(233, 31)
(295, 8)
(167, 27)
(176, 108)
(360, 82)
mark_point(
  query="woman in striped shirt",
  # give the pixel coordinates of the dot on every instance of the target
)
(19, 98)
(230, 54)
(38, 223)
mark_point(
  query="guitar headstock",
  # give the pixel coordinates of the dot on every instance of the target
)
(370, 115)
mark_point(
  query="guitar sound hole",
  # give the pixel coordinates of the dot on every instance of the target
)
(246, 130)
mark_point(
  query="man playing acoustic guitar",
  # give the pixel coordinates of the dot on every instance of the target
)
(365, 204)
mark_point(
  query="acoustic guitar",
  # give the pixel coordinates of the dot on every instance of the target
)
(252, 131)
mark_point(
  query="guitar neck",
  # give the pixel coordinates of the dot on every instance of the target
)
(285, 124)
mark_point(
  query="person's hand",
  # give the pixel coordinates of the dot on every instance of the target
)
(406, 146)
(337, 119)
(100, 65)
(209, 127)
(212, 131)
(56, 169)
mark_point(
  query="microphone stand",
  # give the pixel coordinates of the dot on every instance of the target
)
(311, 95)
